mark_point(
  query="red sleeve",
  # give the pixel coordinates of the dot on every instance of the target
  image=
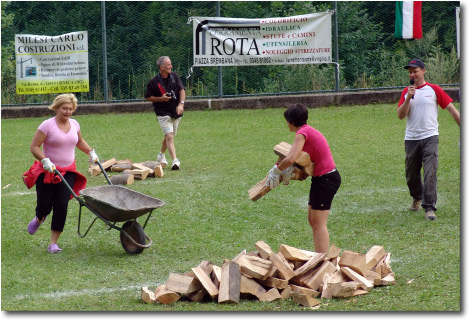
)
(402, 99)
(442, 97)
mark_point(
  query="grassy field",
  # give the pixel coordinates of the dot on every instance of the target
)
(208, 214)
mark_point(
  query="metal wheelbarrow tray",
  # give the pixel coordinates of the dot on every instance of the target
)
(118, 204)
(113, 204)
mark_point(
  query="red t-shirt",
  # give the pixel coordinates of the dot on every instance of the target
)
(318, 149)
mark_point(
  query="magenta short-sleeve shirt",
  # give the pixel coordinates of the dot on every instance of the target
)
(59, 146)
(318, 149)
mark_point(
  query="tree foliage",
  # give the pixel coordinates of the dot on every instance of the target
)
(138, 32)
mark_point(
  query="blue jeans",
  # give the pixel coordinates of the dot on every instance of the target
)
(422, 153)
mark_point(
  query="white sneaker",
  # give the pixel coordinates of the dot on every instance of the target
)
(161, 158)
(176, 164)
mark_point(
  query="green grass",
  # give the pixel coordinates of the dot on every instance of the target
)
(208, 214)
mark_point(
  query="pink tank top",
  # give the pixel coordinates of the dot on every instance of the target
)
(59, 146)
(318, 149)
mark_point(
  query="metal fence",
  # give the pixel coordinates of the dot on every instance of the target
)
(126, 38)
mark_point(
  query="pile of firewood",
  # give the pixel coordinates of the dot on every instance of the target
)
(291, 273)
(128, 171)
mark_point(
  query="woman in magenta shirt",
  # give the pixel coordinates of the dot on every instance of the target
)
(58, 137)
(326, 179)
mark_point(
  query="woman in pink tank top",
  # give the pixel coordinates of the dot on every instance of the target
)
(326, 179)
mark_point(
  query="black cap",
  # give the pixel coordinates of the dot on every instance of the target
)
(415, 63)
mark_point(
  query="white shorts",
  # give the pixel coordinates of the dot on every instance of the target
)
(168, 124)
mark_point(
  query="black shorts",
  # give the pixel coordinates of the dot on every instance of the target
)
(323, 190)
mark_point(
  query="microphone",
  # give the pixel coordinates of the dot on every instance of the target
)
(412, 82)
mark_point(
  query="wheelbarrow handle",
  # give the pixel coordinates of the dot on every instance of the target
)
(68, 187)
(104, 172)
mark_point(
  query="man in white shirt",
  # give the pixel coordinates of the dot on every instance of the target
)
(419, 104)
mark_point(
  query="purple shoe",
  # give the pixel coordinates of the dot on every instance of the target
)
(34, 225)
(54, 248)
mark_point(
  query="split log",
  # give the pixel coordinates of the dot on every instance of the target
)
(373, 256)
(250, 286)
(206, 282)
(120, 167)
(123, 179)
(292, 253)
(95, 169)
(124, 161)
(343, 289)
(353, 260)
(383, 267)
(364, 283)
(286, 293)
(304, 161)
(197, 296)
(389, 279)
(274, 283)
(305, 300)
(263, 249)
(303, 290)
(158, 171)
(270, 295)
(254, 267)
(229, 291)
(153, 164)
(166, 296)
(310, 264)
(284, 269)
(216, 275)
(316, 279)
(140, 174)
(148, 296)
(260, 189)
(182, 284)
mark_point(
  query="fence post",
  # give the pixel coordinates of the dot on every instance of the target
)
(336, 49)
(220, 69)
(103, 29)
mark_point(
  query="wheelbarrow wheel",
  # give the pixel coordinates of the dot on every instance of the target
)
(135, 231)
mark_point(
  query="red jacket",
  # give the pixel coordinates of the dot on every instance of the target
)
(30, 176)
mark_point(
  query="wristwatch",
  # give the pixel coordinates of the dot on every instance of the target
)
(181, 102)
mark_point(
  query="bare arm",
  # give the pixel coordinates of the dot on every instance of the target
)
(454, 113)
(294, 153)
(404, 108)
(82, 144)
(182, 97)
(36, 143)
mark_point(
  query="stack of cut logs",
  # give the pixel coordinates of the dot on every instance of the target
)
(129, 171)
(291, 273)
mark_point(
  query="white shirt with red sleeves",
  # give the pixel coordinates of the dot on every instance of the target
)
(422, 120)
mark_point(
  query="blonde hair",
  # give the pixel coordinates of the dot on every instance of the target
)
(64, 98)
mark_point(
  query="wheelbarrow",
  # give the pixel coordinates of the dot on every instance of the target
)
(113, 204)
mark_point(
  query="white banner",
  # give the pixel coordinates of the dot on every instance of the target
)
(52, 64)
(271, 41)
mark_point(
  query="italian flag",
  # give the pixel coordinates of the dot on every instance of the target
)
(408, 20)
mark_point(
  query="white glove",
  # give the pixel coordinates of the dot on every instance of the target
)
(93, 156)
(287, 174)
(273, 180)
(48, 165)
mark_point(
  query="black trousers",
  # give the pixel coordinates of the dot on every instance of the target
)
(422, 153)
(54, 197)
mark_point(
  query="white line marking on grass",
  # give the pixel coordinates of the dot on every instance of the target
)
(17, 193)
(75, 293)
